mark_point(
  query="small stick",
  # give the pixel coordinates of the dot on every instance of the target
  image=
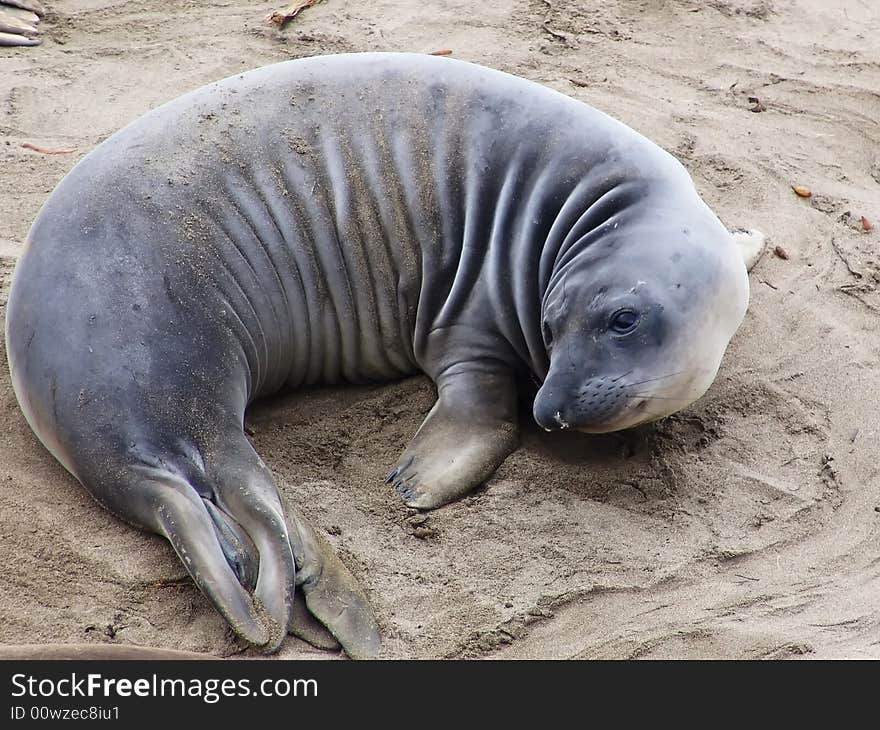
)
(555, 34)
(746, 577)
(441, 52)
(282, 17)
(47, 150)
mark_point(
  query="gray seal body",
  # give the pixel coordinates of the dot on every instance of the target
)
(353, 218)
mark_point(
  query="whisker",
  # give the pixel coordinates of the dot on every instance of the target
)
(670, 375)
(622, 376)
(659, 377)
(654, 397)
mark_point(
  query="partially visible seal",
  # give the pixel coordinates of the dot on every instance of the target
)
(108, 652)
(353, 218)
(19, 21)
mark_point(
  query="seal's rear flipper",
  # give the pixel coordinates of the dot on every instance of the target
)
(248, 554)
(305, 626)
(180, 515)
(291, 557)
(332, 594)
(750, 243)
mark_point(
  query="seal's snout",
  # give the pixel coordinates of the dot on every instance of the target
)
(558, 408)
(550, 411)
(594, 406)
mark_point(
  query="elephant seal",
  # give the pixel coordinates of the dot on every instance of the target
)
(19, 21)
(94, 652)
(353, 218)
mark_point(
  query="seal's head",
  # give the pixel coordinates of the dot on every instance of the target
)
(636, 323)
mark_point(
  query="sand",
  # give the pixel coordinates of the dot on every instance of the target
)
(746, 526)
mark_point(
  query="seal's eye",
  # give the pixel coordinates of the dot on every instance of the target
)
(624, 321)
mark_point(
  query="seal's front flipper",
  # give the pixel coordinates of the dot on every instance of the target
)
(750, 244)
(468, 433)
(332, 594)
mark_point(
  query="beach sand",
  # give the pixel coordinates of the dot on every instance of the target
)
(746, 526)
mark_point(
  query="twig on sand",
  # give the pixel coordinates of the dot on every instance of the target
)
(856, 291)
(47, 150)
(441, 52)
(746, 577)
(281, 17)
(556, 34)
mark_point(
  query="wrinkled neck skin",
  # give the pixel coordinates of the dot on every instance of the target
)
(537, 233)
(587, 238)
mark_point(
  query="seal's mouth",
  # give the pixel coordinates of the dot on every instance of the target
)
(636, 415)
(563, 425)
(606, 404)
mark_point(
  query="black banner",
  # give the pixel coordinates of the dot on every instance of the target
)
(131, 693)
